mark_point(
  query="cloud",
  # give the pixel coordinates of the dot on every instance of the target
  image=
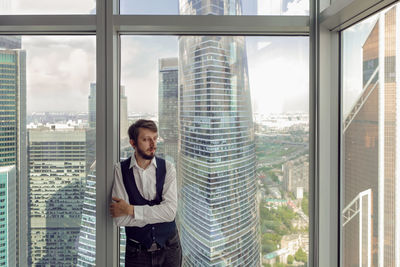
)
(51, 7)
(139, 68)
(269, 7)
(278, 74)
(61, 68)
(59, 72)
(298, 7)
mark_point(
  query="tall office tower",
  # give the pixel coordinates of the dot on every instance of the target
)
(13, 129)
(57, 160)
(371, 181)
(123, 110)
(91, 131)
(92, 106)
(168, 107)
(123, 115)
(295, 175)
(8, 216)
(87, 235)
(219, 221)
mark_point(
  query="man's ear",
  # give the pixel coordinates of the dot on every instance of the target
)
(132, 142)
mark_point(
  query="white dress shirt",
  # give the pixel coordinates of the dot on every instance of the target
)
(145, 180)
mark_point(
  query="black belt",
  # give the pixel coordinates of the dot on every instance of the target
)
(154, 247)
(140, 246)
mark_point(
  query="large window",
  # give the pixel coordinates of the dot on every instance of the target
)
(47, 150)
(236, 129)
(370, 212)
(229, 90)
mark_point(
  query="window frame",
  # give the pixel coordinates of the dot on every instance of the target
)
(323, 29)
(338, 16)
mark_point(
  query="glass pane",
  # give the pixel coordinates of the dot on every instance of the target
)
(47, 150)
(25, 7)
(371, 182)
(232, 115)
(215, 7)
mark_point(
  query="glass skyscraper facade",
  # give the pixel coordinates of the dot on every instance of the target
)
(92, 106)
(371, 213)
(87, 235)
(219, 222)
(13, 130)
(12, 97)
(8, 216)
(168, 108)
(57, 172)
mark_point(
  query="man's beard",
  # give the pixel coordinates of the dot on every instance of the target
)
(144, 155)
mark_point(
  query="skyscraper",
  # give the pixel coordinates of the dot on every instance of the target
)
(295, 175)
(168, 107)
(123, 115)
(87, 234)
(13, 129)
(371, 182)
(92, 106)
(219, 220)
(123, 110)
(8, 216)
(57, 170)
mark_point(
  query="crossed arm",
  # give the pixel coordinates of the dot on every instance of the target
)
(125, 214)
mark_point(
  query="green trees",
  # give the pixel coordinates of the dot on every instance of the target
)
(304, 204)
(275, 223)
(290, 259)
(300, 255)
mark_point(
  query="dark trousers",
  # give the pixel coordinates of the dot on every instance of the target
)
(169, 256)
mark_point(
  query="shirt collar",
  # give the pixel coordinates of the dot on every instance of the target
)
(135, 164)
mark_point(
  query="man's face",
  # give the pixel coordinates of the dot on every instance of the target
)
(146, 144)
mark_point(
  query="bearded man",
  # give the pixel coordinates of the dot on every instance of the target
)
(145, 201)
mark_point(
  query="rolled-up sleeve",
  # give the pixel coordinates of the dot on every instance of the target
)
(120, 192)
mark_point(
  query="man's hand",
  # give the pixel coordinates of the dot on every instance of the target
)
(120, 208)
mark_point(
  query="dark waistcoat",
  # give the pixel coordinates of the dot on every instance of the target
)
(158, 232)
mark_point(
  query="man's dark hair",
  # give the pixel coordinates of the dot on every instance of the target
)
(133, 130)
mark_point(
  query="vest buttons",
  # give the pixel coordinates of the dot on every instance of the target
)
(152, 228)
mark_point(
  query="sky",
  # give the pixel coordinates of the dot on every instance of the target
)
(61, 68)
(278, 71)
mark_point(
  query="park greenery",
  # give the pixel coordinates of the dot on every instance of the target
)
(275, 222)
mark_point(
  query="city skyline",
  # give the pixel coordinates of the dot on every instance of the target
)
(74, 58)
(62, 185)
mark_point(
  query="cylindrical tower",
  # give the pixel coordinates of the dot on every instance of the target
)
(219, 221)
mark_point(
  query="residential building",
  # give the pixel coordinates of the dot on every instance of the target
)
(295, 176)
